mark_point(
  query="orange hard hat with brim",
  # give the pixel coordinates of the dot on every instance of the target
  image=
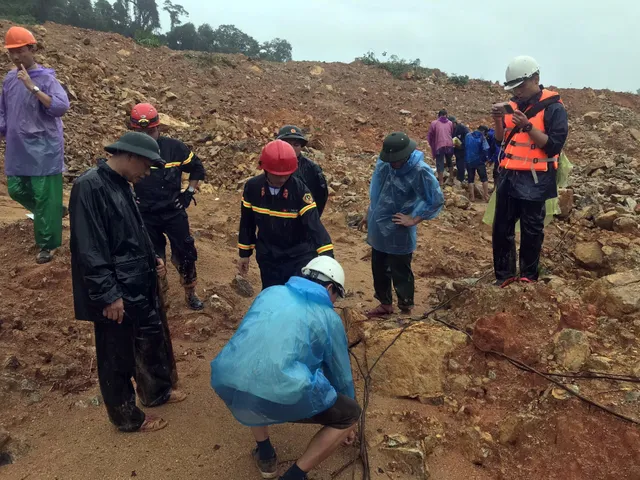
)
(17, 37)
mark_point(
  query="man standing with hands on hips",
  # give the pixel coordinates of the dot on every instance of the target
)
(31, 105)
(533, 128)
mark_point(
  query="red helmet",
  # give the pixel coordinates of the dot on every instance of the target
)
(144, 115)
(278, 158)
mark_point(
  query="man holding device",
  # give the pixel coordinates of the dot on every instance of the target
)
(533, 128)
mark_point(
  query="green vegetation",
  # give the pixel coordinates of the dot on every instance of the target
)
(459, 80)
(401, 68)
(398, 67)
(140, 19)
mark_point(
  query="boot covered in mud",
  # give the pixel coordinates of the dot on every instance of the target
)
(193, 302)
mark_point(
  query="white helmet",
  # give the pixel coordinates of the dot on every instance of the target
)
(520, 69)
(326, 269)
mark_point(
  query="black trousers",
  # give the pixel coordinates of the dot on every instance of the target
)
(274, 272)
(461, 165)
(531, 215)
(396, 269)
(174, 225)
(135, 348)
(342, 415)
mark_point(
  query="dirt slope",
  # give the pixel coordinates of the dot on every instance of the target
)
(472, 415)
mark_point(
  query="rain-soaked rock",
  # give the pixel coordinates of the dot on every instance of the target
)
(571, 349)
(617, 294)
(415, 365)
(625, 225)
(605, 221)
(242, 286)
(589, 255)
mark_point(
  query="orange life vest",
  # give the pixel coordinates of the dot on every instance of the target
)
(522, 153)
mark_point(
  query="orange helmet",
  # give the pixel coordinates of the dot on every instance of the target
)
(144, 115)
(17, 37)
(278, 158)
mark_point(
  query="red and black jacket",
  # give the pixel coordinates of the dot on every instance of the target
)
(281, 227)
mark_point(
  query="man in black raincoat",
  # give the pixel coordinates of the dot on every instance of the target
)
(308, 171)
(115, 284)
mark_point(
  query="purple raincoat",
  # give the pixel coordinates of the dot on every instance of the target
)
(440, 135)
(34, 138)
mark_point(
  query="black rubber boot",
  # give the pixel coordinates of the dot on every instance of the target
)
(193, 302)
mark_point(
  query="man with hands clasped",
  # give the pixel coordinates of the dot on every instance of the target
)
(115, 284)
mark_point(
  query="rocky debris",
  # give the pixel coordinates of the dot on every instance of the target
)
(617, 294)
(353, 322)
(605, 221)
(592, 117)
(12, 363)
(478, 445)
(572, 349)
(220, 304)
(589, 255)
(598, 363)
(408, 457)
(625, 225)
(457, 200)
(316, 71)
(414, 366)
(565, 201)
(516, 428)
(168, 121)
(635, 133)
(4, 437)
(498, 333)
(578, 316)
(242, 286)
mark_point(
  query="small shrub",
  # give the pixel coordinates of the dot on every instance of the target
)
(148, 40)
(459, 80)
(398, 67)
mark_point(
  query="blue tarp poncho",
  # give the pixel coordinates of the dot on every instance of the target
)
(288, 359)
(412, 190)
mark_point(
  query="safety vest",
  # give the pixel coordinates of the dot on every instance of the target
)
(522, 153)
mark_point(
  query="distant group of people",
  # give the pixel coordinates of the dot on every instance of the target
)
(288, 360)
(473, 152)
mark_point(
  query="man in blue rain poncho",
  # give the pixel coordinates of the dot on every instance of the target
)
(288, 362)
(403, 193)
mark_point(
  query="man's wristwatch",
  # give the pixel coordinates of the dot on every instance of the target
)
(528, 127)
(35, 89)
(190, 189)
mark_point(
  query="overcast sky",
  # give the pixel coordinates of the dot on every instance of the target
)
(578, 43)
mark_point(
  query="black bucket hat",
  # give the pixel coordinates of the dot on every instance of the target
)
(291, 132)
(139, 144)
(397, 147)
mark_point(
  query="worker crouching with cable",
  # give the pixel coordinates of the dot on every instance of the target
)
(279, 219)
(288, 362)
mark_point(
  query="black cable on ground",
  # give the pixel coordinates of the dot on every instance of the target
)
(527, 368)
(363, 454)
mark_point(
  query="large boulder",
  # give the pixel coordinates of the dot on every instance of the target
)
(617, 294)
(572, 349)
(589, 255)
(415, 366)
(605, 221)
